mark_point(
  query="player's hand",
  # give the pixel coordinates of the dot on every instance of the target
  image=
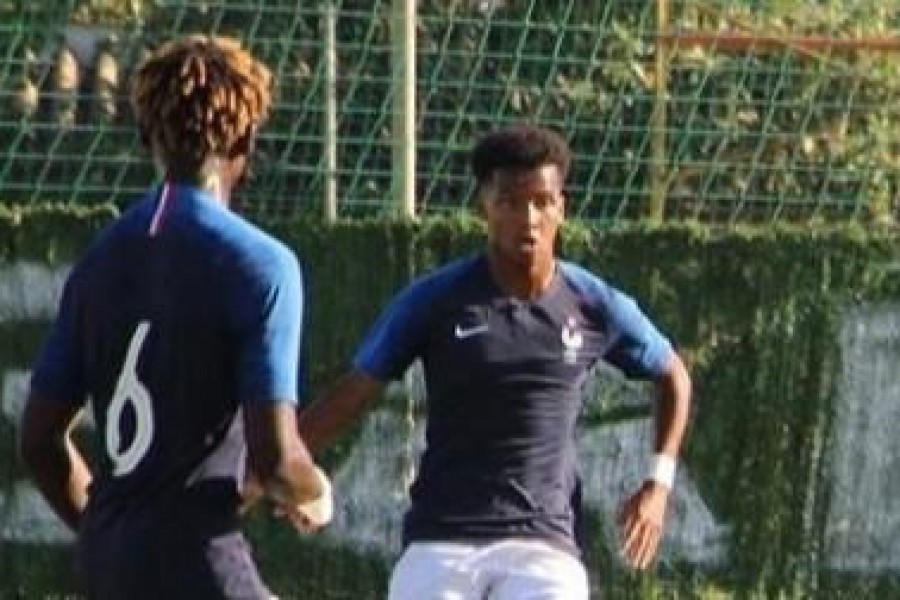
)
(643, 520)
(251, 491)
(298, 519)
(307, 517)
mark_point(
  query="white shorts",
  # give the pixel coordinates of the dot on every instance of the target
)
(505, 570)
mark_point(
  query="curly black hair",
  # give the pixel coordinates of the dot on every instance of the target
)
(519, 147)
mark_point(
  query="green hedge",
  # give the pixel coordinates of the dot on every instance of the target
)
(755, 311)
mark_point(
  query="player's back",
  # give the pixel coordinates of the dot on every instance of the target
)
(162, 298)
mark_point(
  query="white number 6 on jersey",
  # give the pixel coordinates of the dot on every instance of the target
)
(129, 390)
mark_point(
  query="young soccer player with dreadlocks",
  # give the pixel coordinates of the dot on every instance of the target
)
(182, 323)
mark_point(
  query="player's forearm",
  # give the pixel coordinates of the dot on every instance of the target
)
(292, 480)
(323, 422)
(340, 407)
(61, 475)
(277, 457)
(673, 408)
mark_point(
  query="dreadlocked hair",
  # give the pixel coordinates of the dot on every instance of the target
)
(200, 97)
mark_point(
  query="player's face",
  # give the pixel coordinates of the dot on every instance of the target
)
(523, 210)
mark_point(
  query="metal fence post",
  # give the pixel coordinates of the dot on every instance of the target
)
(403, 89)
(330, 113)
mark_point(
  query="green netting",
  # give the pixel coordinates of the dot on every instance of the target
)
(791, 127)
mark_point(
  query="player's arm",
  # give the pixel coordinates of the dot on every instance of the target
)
(673, 407)
(51, 458)
(51, 412)
(278, 458)
(343, 404)
(642, 351)
(385, 353)
(643, 515)
(267, 313)
(270, 433)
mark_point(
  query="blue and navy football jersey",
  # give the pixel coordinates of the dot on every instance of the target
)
(504, 381)
(179, 314)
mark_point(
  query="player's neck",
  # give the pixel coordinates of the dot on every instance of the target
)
(526, 281)
(210, 178)
(212, 184)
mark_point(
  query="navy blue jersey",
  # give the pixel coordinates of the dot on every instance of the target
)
(179, 314)
(504, 381)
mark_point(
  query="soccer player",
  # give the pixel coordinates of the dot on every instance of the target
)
(507, 338)
(182, 325)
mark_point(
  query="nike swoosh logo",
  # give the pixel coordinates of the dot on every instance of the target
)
(463, 333)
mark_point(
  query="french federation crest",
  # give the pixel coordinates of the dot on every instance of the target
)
(572, 341)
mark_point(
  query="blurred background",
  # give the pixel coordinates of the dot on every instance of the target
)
(737, 168)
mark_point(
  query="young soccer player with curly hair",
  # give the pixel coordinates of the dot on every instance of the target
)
(182, 325)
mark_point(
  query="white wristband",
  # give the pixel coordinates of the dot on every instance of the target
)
(662, 470)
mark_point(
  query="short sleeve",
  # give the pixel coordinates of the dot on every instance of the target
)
(58, 372)
(635, 345)
(394, 341)
(269, 306)
(639, 349)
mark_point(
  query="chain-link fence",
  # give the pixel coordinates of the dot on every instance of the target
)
(718, 111)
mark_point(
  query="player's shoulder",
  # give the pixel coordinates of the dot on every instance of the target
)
(106, 244)
(444, 279)
(595, 292)
(123, 224)
(222, 232)
(585, 283)
(257, 244)
(260, 254)
(597, 295)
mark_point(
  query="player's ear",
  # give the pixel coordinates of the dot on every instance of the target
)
(484, 190)
(244, 145)
(239, 156)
